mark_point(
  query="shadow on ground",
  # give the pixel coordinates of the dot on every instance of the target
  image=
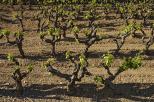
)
(94, 54)
(132, 91)
(122, 54)
(3, 56)
(150, 54)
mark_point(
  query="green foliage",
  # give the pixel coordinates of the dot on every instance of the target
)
(5, 32)
(42, 34)
(30, 68)
(19, 34)
(69, 23)
(91, 15)
(50, 31)
(51, 60)
(138, 26)
(18, 15)
(15, 15)
(10, 57)
(57, 32)
(82, 60)
(107, 7)
(16, 69)
(68, 55)
(127, 29)
(128, 63)
(98, 79)
(93, 1)
(117, 5)
(75, 30)
(145, 9)
(86, 32)
(7, 1)
(54, 32)
(127, 11)
(107, 59)
(131, 63)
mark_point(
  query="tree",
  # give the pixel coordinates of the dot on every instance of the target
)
(107, 9)
(19, 37)
(17, 75)
(55, 14)
(128, 63)
(19, 16)
(77, 10)
(66, 22)
(121, 38)
(150, 41)
(91, 15)
(144, 11)
(80, 70)
(5, 33)
(41, 21)
(54, 35)
(127, 11)
(138, 27)
(90, 37)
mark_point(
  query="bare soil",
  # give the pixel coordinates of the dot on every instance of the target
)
(41, 86)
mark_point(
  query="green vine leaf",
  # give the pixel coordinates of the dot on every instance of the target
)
(10, 57)
(75, 29)
(131, 63)
(68, 55)
(107, 59)
(30, 68)
(98, 79)
(83, 60)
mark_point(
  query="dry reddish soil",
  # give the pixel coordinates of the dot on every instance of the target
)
(41, 86)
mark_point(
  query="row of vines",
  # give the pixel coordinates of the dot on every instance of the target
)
(56, 18)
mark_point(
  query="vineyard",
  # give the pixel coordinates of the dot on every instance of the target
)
(76, 50)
